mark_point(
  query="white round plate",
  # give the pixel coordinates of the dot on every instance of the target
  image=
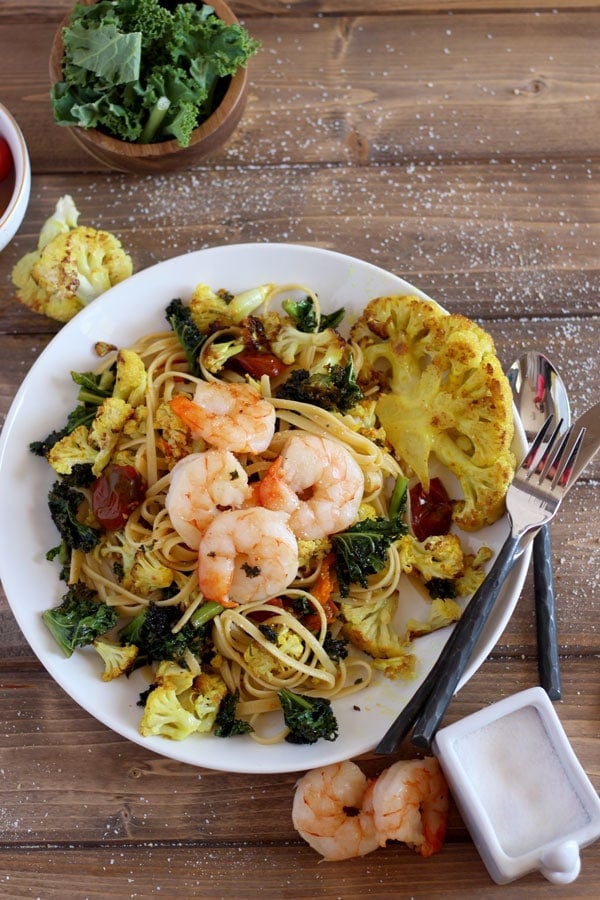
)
(132, 308)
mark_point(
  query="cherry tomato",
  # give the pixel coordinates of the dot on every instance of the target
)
(5, 159)
(115, 494)
(258, 364)
(430, 513)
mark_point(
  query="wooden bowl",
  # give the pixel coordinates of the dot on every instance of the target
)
(162, 156)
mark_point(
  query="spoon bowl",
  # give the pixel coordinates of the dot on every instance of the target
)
(538, 392)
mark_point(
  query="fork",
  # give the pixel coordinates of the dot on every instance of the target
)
(532, 500)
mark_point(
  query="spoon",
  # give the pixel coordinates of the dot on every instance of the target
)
(538, 391)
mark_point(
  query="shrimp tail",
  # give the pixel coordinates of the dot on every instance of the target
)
(188, 411)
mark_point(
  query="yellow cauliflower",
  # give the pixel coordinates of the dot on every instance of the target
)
(438, 556)
(268, 665)
(441, 613)
(211, 310)
(118, 659)
(164, 715)
(94, 445)
(442, 393)
(131, 377)
(71, 266)
(370, 627)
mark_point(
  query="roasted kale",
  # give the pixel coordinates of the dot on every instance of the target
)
(226, 722)
(190, 337)
(336, 390)
(308, 718)
(79, 619)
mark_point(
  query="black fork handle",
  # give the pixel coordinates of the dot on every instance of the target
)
(428, 704)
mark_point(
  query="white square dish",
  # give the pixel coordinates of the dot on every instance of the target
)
(521, 790)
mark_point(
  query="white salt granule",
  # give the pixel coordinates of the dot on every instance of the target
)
(521, 782)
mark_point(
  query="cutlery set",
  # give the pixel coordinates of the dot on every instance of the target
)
(554, 461)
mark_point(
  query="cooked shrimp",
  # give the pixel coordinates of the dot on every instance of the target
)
(410, 804)
(246, 555)
(228, 416)
(202, 484)
(317, 482)
(323, 807)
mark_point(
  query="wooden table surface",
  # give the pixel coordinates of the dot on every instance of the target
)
(454, 143)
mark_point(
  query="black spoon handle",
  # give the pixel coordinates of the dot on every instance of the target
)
(545, 618)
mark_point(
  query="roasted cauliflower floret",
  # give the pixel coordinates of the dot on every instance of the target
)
(131, 378)
(441, 613)
(206, 695)
(370, 627)
(438, 556)
(118, 659)
(94, 445)
(474, 572)
(442, 393)
(137, 567)
(313, 551)
(73, 264)
(211, 310)
(267, 665)
(165, 716)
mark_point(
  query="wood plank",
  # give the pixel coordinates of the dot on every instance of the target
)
(49, 744)
(489, 86)
(516, 240)
(54, 10)
(270, 872)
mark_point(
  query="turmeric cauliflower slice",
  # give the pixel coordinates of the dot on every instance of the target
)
(443, 394)
(72, 265)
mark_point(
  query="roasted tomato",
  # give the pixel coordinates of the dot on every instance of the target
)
(258, 364)
(5, 159)
(431, 512)
(115, 495)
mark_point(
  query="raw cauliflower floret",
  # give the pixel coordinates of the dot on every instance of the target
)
(69, 270)
(94, 445)
(442, 393)
(370, 627)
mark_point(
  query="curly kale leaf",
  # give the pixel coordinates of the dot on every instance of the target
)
(227, 723)
(151, 630)
(64, 503)
(79, 619)
(308, 718)
(304, 315)
(336, 390)
(362, 549)
(93, 390)
(190, 337)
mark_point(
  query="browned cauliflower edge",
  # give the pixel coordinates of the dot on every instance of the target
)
(441, 393)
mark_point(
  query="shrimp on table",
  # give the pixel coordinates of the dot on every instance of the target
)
(323, 807)
(203, 484)
(410, 804)
(246, 555)
(229, 416)
(317, 482)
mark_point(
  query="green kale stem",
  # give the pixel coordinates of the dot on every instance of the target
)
(398, 498)
(205, 613)
(154, 120)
